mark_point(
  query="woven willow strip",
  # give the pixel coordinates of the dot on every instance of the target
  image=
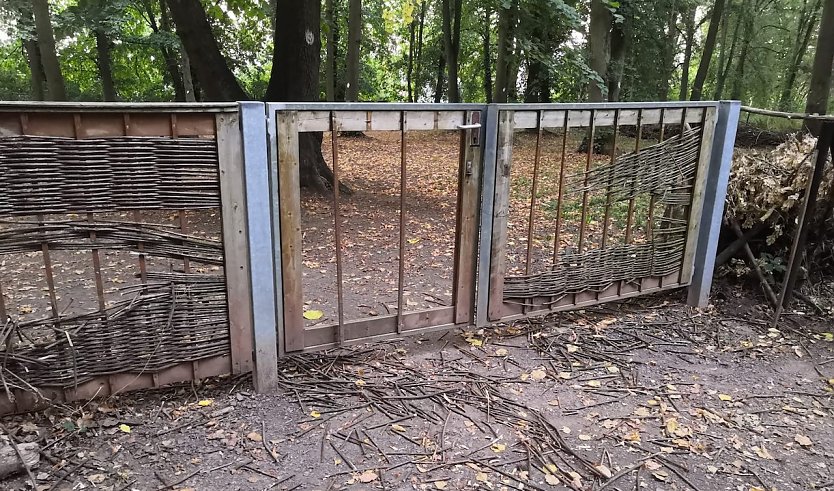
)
(666, 171)
(75, 236)
(44, 175)
(177, 319)
(655, 169)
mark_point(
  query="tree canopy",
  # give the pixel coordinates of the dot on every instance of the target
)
(759, 51)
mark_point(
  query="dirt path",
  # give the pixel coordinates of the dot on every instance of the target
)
(648, 395)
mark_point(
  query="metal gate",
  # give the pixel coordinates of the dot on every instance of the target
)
(617, 219)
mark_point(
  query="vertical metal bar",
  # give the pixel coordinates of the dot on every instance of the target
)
(631, 202)
(711, 214)
(585, 182)
(235, 233)
(3, 313)
(531, 224)
(561, 192)
(267, 320)
(76, 126)
(607, 216)
(334, 135)
(403, 178)
(490, 142)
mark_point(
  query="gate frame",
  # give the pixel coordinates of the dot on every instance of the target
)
(259, 129)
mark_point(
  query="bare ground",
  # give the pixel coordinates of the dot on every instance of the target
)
(646, 394)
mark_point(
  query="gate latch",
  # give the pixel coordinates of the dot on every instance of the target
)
(474, 124)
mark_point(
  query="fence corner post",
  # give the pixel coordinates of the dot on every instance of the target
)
(485, 222)
(721, 161)
(256, 162)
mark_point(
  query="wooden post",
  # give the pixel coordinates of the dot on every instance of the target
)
(501, 210)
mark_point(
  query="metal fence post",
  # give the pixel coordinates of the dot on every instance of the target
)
(253, 125)
(721, 161)
(486, 219)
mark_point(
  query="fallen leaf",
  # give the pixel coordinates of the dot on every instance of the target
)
(255, 436)
(359, 382)
(538, 374)
(604, 470)
(594, 383)
(124, 428)
(572, 348)
(481, 477)
(613, 369)
(96, 478)
(550, 468)
(501, 352)
(642, 412)
(315, 414)
(440, 484)
(725, 397)
(660, 475)
(803, 440)
(652, 465)
(565, 375)
(368, 476)
(566, 430)
(477, 343)
(205, 402)
(586, 438)
(763, 453)
(551, 479)
(498, 447)
(398, 428)
(828, 336)
(313, 315)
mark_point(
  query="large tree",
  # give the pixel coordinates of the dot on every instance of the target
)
(820, 89)
(56, 90)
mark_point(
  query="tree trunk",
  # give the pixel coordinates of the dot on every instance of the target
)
(33, 57)
(409, 70)
(190, 93)
(297, 51)
(330, 60)
(216, 78)
(808, 20)
(738, 78)
(820, 87)
(669, 52)
(689, 24)
(619, 48)
(354, 48)
(418, 85)
(171, 65)
(506, 20)
(487, 55)
(56, 90)
(724, 71)
(105, 71)
(709, 48)
(440, 81)
(599, 28)
(451, 44)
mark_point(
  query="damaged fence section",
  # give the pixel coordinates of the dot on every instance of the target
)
(147, 244)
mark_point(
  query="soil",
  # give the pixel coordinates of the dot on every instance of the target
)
(644, 394)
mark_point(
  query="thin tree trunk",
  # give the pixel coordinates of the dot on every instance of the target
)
(171, 65)
(105, 71)
(598, 40)
(354, 48)
(409, 72)
(216, 78)
(808, 21)
(820, 86)
(487, 55)
(33, 57)
(724, 71)
(709, 48)
(669, 52)
(689, 24)
(440, 81)
(738, 77)
(187, 80)
(619, 48)
(451, 42)
(506, 20)
(56, 90)
(531, 88)
(418, 54)
(330, 60)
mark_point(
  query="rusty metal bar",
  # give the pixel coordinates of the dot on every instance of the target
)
(337, 227)
(591, 129)
(607, 216)
(558, 233)
(403, 178)
(3, 313)
(531, 224)
(631, 202)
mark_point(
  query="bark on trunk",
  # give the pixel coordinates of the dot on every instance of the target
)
(409, 70)
(297, 51)
(619, 48)
(725, 70)
(598, 38)
(216, 78)
(820, 86)
(56, 90)
(807, 23)
(669, 52)
(33, 57)
(487, 55)
(440, 81)
(738, 77)
(105, 71)
(687, 53)
(354, 47)
(506, 20)
(190, 93)
(171, 65)
(709, 48)
(451, 44)
(330, 60)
